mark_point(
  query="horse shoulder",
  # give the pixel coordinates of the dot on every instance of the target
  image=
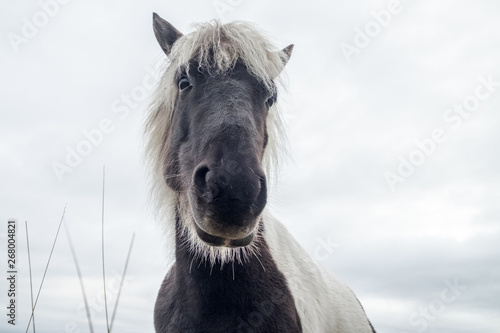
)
(323, 302)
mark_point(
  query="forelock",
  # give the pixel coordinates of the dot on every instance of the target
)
(217, 47)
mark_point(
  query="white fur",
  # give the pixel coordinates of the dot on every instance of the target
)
(324, 304)
(232, 41)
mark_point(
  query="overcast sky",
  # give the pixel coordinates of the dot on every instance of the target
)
(393, 179)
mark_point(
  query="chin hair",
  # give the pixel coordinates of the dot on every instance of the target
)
(205, 253)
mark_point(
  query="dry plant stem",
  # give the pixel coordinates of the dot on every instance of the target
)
(31, 277)
(75, 260)
(102, 249)
(121, 282)
(46, 268)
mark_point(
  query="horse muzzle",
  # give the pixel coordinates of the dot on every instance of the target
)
(227, 203)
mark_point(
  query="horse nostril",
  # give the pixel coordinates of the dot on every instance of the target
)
(232, 189)
(204, 183)
(200, 180)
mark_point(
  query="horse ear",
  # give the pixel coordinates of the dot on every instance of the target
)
(165, 33)
(286, 53)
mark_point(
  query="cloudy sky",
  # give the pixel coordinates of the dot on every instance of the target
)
(392, 184)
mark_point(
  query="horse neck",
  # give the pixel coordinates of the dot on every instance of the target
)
(230, 280)
(209, 293)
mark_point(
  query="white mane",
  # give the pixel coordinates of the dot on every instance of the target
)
(217, 48)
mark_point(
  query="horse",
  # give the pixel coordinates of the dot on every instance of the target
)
(213, 138)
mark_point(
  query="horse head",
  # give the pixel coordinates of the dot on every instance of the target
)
(220, 88)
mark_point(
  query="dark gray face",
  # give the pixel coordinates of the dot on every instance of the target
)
(215, 143)
(216, 147)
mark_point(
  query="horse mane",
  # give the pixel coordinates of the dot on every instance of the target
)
(215, 47)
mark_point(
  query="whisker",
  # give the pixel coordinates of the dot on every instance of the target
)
(257, 257)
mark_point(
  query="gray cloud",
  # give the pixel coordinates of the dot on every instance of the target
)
(348, 124)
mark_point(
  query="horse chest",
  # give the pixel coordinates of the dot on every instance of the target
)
(249, 297)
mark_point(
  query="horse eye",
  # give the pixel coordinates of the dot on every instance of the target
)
(184, 83)
(270, 101)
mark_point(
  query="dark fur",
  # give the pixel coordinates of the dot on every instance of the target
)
(216, 146)
(165, 33)
(213, 153)
(249, 297)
